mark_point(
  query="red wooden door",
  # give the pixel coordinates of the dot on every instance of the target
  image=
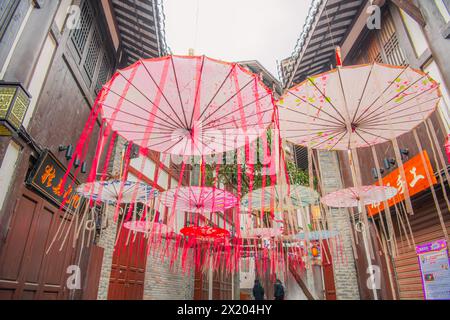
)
(328, 274)
(128, 267)
(26, 272)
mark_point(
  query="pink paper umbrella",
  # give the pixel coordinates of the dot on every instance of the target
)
(354, 197)
(357, 106)
(195, 199)
(187, 105)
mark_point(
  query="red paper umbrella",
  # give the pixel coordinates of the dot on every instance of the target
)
(187, 105)
(353, 197)
(205, 232)
(194, 199)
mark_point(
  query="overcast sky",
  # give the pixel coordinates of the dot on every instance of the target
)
(236, 30)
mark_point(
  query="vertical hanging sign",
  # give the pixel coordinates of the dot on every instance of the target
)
(434, 270)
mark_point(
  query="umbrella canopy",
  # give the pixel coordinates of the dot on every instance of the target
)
(187, 105)
(109, 191)
(205, 232)
(300, 196)
(147, 226)
(357, 106)
(353, 197)
(195, 199)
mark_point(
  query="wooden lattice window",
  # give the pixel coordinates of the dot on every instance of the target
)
(80, 35)
(92, 56)
(103, 73)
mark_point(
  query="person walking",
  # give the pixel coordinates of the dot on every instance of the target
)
(258, 290)
(278, 290)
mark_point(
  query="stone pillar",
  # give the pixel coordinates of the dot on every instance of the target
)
(345, 276)
(108, 235)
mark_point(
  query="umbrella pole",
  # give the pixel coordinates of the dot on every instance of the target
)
(365, 235)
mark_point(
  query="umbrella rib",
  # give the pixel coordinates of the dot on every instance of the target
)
(305, 135)
(339, 140)
(197, 91)
(234, 95)
(383, 121)
(143, 109)
(330, 138)
(217, 92)
(327, 99)
(245, 106)
(357, 133)
(178, 90)
(383, 117)
(372, 134)
(165, 151)
(147, 98)
(231, 121)
(138, 117)
(312, 124)
(362, 94)
(397, 95)
(315, 107)
(381, 94)
(381, 113)
(162, 93)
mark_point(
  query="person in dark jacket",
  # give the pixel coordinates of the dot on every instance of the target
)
(278, 290)
(258, 290)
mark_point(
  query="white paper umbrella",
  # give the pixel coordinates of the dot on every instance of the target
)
(354, 197)
(300, 196)
(109, 191)
(187, 105)
(195, 199)
(357, 106)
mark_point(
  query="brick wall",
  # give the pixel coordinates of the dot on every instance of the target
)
(162, 283)
(345, 276)
(108, 235)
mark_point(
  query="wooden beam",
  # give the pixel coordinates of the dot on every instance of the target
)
(411, 9)
(300, 282)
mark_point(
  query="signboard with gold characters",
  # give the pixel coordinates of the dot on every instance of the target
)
(47, 178)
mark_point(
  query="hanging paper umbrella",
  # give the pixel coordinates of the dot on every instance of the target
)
(300, 196)
(194, 199)
(354, 197)
(357, 106)
(109, 191)
(187, 105)
(148, 226)
(205, 232)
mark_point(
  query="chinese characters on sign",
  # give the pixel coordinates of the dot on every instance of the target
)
(416, 180)
(48, 178)
(434, 270)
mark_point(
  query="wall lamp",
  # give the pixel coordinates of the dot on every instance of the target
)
(68, 149)
(375, 172)
(388, 163)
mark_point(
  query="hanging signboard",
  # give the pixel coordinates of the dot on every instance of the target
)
(416, 181)
(434, 269)
(47, 178)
